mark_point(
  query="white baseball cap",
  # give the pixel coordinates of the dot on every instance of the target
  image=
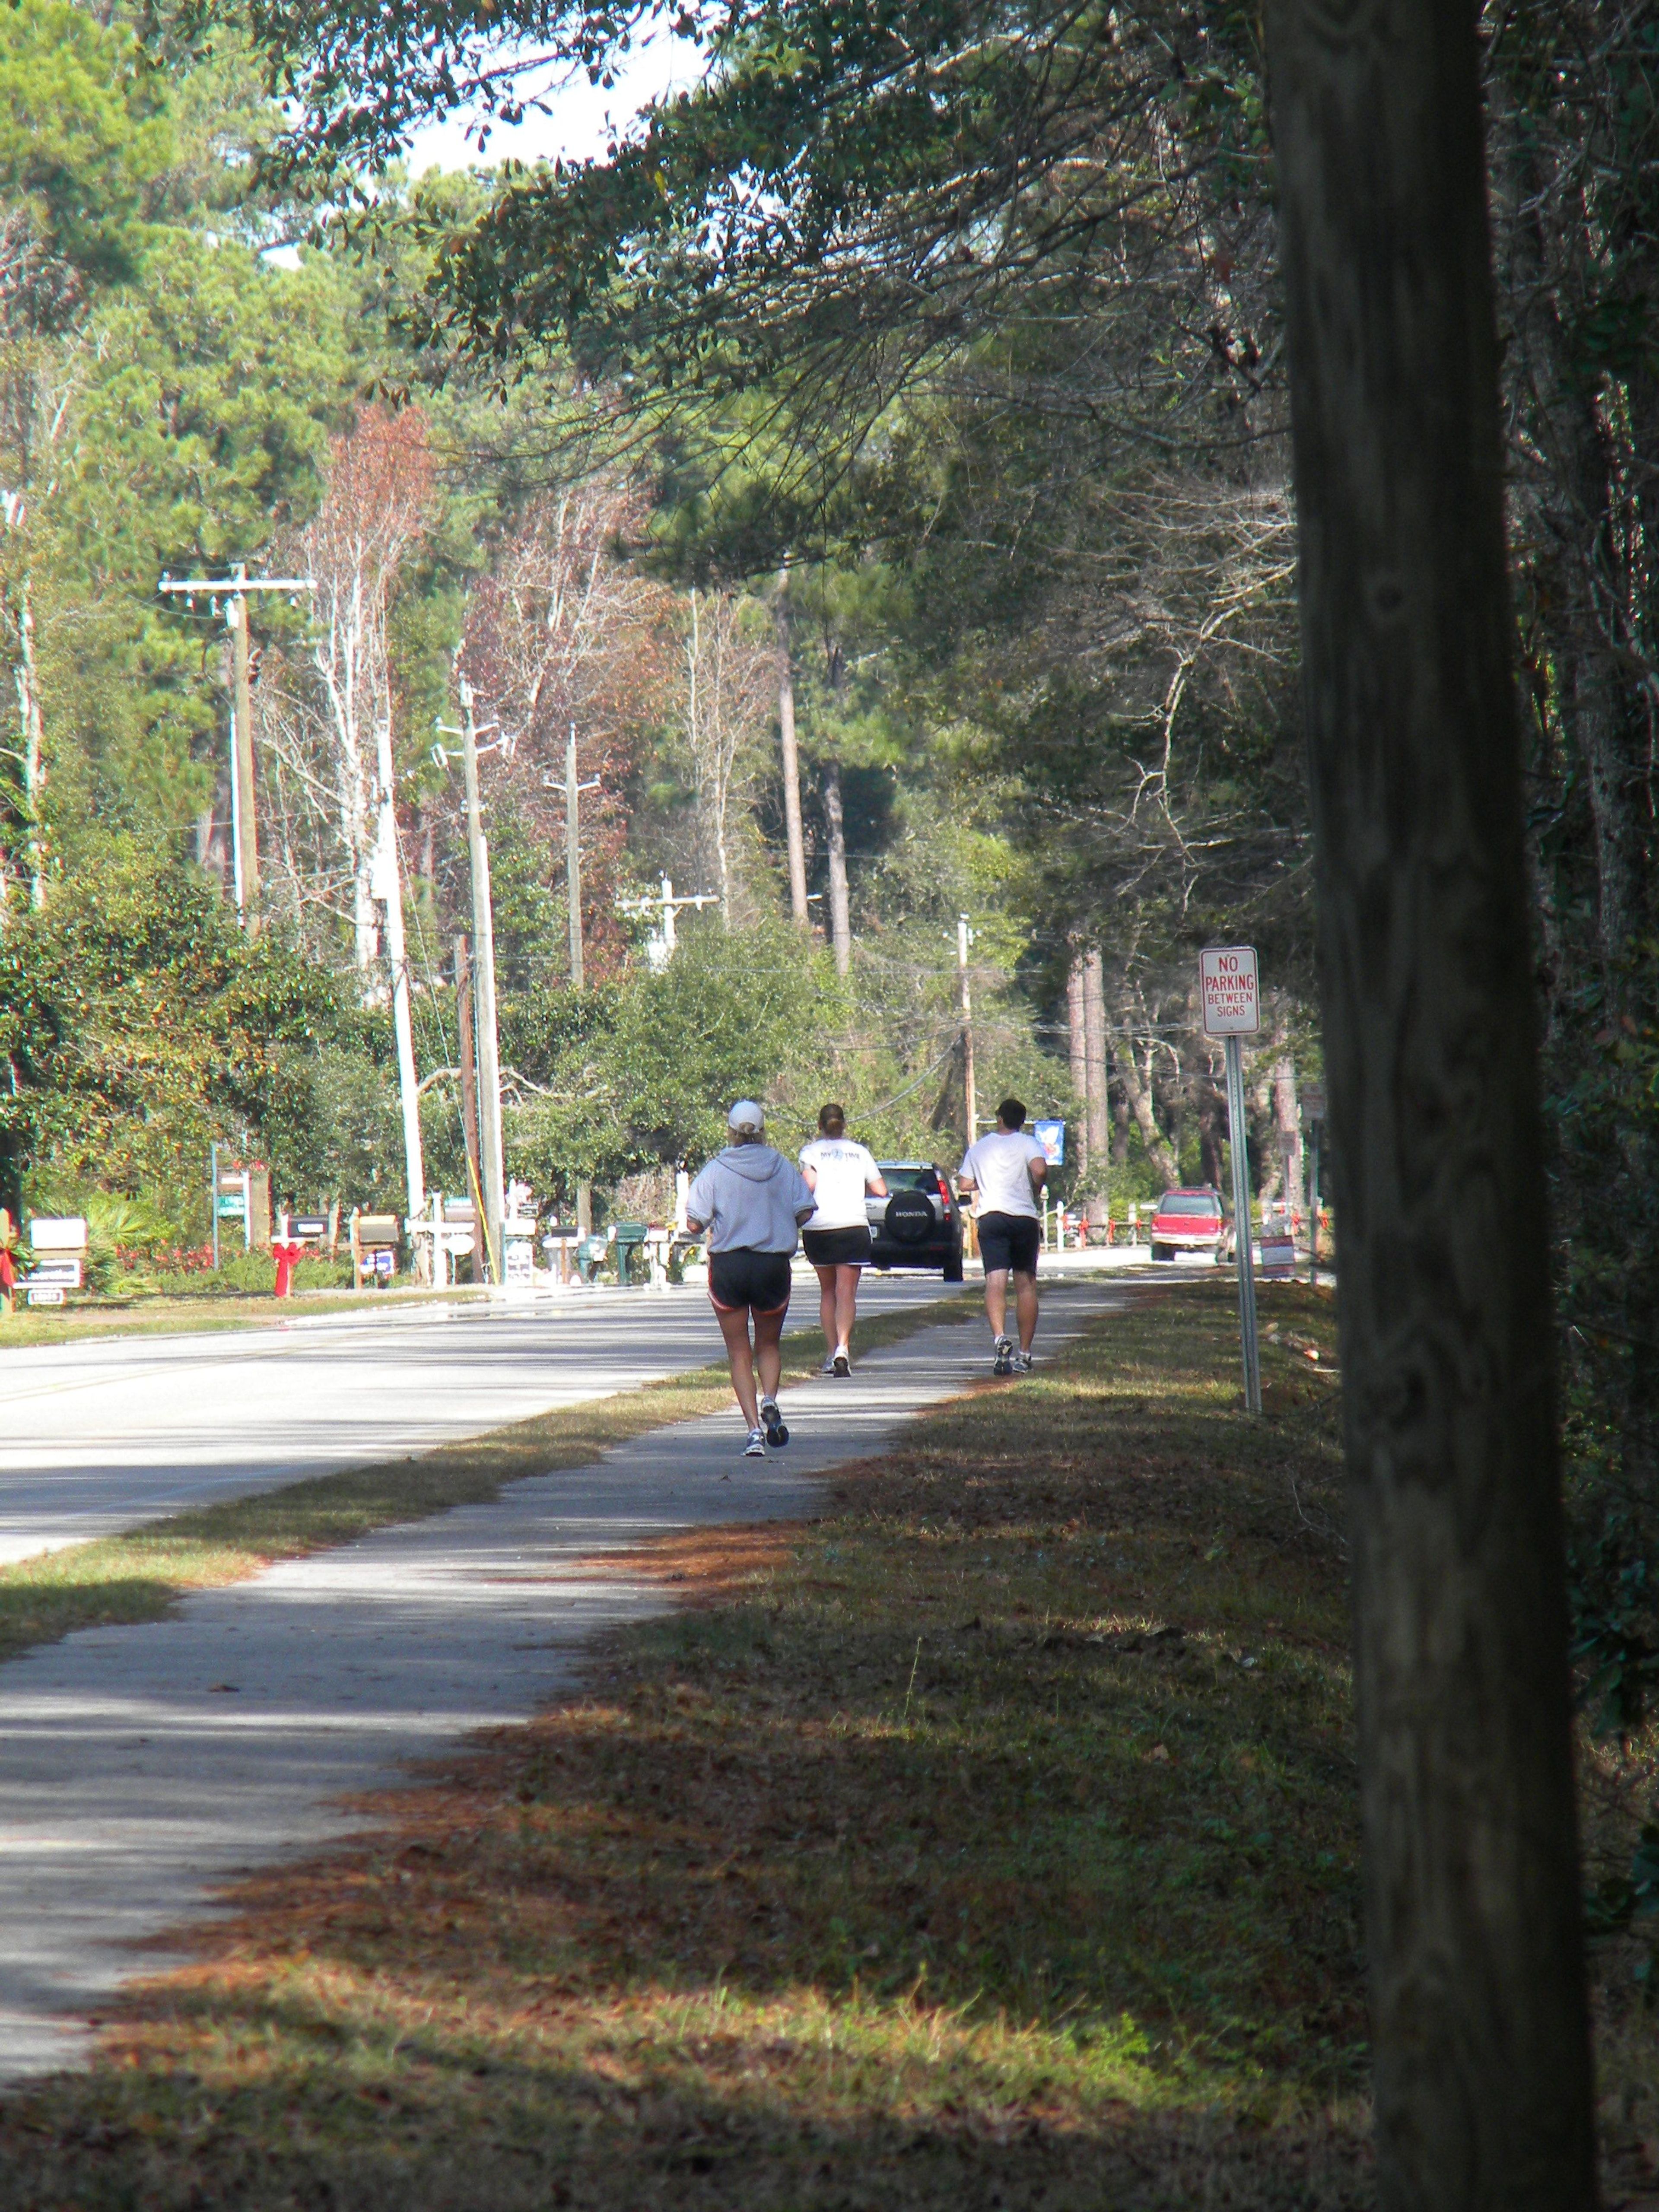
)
(745, 1115)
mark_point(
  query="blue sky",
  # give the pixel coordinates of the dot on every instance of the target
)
(582, 117)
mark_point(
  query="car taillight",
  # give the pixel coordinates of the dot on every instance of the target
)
(943, 1189)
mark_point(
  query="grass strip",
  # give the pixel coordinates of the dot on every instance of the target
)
(988, 1842)
(27, 1329)
(140, 1575)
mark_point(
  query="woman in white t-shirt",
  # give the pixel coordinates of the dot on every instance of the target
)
(836, 1240)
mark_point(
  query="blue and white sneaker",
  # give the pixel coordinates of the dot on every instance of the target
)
(1003, 1363)
(755, 1447)
(776, 1434)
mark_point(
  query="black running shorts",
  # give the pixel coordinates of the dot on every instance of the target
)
(745, 1277)
(1009, 1240)
(836, 1248)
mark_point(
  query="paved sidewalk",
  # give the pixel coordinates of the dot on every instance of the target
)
(96, 1437)
(142, 1767)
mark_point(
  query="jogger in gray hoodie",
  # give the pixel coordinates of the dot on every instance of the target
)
(751, 1202)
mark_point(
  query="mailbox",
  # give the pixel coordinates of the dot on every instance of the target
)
(375, 1239)
(58, 1243)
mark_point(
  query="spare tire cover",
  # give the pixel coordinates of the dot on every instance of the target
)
(910, 1218)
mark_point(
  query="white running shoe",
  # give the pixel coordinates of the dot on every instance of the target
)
(776, 1434)
(1022, 1363)
(755, 1447)
(840, 1364)
(829, 1366)
(1003, 1363)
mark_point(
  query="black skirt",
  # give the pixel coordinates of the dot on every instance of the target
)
(837, 1247)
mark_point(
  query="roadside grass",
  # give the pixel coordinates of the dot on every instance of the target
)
(988, 1842)
(159, 1314)
(141, 1575)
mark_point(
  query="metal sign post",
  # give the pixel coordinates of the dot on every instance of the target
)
(1232, 1009)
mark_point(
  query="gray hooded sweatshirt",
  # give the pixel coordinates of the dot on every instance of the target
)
(750, 1196)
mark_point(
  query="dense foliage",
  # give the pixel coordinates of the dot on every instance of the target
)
(967, 312)
(140, 1023)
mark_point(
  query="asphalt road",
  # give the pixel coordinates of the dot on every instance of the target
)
(142, 1768)
(96, 1437)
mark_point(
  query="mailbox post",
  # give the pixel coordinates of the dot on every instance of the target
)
(242, 1193)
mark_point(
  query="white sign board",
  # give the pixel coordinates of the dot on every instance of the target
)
(518, 1260)
(68, 1233)
(1231, 1005)
(66, 1273)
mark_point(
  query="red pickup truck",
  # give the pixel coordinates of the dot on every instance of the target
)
(1188, 1221)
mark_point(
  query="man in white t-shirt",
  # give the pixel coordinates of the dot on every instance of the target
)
(836, 1240)
(1005, 1171)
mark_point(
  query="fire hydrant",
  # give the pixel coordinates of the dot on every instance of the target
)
(285, 1255)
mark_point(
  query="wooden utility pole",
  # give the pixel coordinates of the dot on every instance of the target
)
(247, 833)
(490, 1157)
(1483, 2087)
(573, 882)
(794, 837)
(235, 590)
(969, 1097)
(469, 1062)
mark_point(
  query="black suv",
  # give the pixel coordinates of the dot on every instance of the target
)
(918, 1224)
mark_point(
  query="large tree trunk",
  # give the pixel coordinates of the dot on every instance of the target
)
(1482, 2065)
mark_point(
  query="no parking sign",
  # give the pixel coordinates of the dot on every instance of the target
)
(1232, 1006)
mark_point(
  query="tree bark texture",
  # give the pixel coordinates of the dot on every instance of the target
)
(1154, 1143)
(1482, 2067)
(841, 913)
(1287, 1124)
(1077, 1047)
(1210, 1110)
(1120, 1130)
(1588, 615)
(794, 838)
(1094, 1032)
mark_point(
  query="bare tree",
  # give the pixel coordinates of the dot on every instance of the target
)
(789, 759)
(43, 360)
(380, 485)
(730, 676)
(565, 635)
